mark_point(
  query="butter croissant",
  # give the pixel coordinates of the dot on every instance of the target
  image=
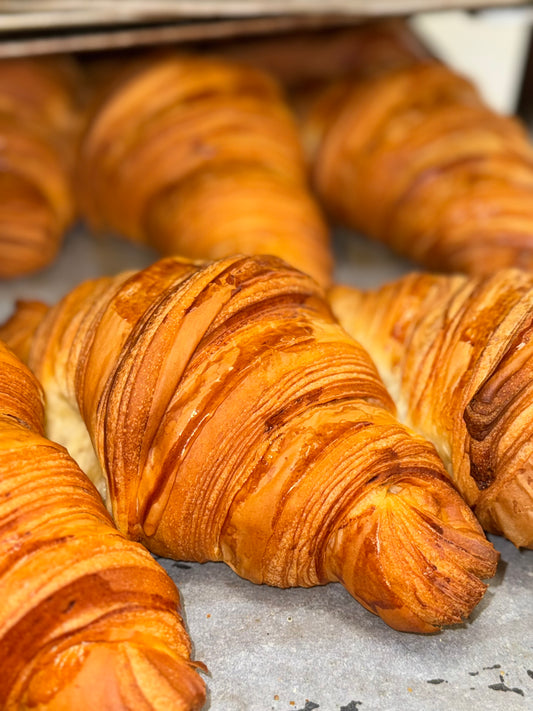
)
(414, 157)
(38, 128)
(233, 419)
(88, 619)
(200, 157)
(457, 354)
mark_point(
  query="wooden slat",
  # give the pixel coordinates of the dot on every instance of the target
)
(32, 27)
(185, 32)
(27, 14)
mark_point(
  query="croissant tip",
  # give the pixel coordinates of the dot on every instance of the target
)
(425, 558)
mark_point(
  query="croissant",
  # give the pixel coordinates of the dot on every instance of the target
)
(223, 414)
(456, 353)
(88, 619)
(201, 157)
(414, 158)
(39, 121)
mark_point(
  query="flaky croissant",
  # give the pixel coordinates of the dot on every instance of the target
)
(416, 159)
(456, 352)
(233, 419)
(39, 121)
(201, 157)
(88, 619)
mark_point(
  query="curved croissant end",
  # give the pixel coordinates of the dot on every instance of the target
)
(88, 619)
(457, 354)
(205, 161)
(414, 158)
(38, 126)
(419, 541)
(233, 419)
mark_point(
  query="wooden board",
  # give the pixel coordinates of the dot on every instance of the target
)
(21, 14)
(33, 27)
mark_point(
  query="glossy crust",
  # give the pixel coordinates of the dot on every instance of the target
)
(414, 158)
(457, 354)
(88, 619)
(39, 123)
(201, 157)
(233, 419)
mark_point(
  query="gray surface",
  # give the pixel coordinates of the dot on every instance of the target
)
(295, 650)
(280, 649)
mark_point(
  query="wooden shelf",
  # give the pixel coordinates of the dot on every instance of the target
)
(49, 26)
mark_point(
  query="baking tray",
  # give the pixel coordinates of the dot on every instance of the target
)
(304, 649)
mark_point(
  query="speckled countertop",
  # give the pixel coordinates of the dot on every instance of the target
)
(299, 650)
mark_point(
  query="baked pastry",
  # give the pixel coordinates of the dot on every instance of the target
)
(457, 356)
(416, 159)
(18, 330)
(88, 619)
(223, 414)
(309, 58)
(201, 157)
(39, 122)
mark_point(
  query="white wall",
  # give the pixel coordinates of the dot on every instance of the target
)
(488, 46)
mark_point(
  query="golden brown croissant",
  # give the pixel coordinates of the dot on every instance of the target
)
(88, 619)
(38, 126)
(456, 353)
(233, 419)
(414, 158)
(201, 157)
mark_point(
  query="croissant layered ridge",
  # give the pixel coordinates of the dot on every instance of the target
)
(456, 354)
(88, 618)
(229, 417)
(39, 124)
(415, 158)
(200, 156)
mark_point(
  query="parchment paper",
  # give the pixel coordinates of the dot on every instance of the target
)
(299, 650)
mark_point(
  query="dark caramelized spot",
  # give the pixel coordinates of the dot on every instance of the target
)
(495, 402)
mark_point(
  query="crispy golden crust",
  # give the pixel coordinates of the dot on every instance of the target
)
(414, 157)
(456, 353)
(233, 419)
(18, 330)
(88, 619)
(201, 157)
(39, 123)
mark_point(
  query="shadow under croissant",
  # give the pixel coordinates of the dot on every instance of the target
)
(486, 601)
(233, 419)
(220, 604)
